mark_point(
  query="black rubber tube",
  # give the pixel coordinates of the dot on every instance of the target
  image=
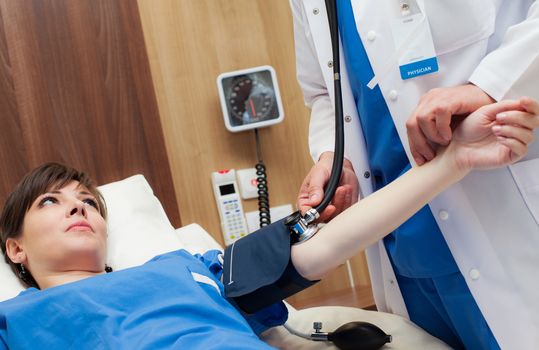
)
(336, 170)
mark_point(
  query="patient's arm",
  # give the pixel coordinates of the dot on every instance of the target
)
(478, 143)
(261, 269)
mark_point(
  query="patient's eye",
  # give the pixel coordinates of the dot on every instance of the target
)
(47, 200)
(92, 202)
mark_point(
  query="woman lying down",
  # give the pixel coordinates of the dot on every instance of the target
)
(54, 236)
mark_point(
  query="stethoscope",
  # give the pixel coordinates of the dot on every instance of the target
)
(352, 335)
(303, 227)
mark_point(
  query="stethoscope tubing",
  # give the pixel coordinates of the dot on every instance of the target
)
(338, 158)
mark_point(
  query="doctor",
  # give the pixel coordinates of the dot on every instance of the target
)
(463, 268)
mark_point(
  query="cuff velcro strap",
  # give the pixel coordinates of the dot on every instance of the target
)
(258, 271)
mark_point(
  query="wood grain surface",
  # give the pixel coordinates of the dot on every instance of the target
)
(76, 88)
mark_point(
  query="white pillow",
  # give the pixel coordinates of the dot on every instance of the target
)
(138, 230)
(196, 240)
(10, 284)
(137, 224)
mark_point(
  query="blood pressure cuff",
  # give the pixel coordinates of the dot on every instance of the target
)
(258, 271)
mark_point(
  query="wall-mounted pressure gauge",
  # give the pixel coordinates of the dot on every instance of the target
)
(250, 98)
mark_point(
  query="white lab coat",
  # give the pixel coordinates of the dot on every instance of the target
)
(489, 219)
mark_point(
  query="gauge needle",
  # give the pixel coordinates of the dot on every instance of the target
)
(252, 108)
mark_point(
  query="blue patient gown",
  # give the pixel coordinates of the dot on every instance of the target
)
(173, 301)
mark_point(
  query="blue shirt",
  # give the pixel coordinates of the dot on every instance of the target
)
(417, 248)
(172, 302)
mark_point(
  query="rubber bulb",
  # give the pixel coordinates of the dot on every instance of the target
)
(359, 336)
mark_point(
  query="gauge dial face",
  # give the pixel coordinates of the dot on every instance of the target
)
(250, 98)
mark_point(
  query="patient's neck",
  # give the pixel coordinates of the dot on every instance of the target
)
(58, 279)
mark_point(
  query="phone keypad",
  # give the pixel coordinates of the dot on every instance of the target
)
(234, 220)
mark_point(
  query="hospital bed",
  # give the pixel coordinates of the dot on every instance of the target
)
(139, 230)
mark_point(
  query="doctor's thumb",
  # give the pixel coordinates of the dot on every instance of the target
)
(315, 195)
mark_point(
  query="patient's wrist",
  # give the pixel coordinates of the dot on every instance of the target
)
(454, 167)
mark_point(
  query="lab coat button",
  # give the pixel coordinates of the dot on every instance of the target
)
(474, 274)
(371, 35)
(316, 11)
(393, 95)
(443, 215)
(405, 9)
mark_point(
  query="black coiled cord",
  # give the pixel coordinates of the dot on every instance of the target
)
(263, 198)
(262, 185)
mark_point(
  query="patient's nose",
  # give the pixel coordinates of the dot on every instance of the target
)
(78, 209)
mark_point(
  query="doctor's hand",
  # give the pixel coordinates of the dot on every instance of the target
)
(495, 135)
(430, 122)
(312, 188)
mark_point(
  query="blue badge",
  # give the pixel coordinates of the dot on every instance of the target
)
(419, 68)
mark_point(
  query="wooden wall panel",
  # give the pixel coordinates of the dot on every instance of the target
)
(190, 42)
(12, 154)
(76, 88)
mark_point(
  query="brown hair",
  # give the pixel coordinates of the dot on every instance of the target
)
(45, 178)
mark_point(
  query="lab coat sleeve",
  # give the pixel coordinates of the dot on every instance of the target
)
(512, 70)
(311, 80)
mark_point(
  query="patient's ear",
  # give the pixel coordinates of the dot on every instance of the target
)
(15, 251)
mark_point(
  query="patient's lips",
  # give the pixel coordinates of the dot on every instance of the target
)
(79, 226)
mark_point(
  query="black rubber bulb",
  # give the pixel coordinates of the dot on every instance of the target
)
(359, 336)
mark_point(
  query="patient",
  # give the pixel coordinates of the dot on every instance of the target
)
(53, 233)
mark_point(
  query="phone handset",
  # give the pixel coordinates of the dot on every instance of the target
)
(225, 189)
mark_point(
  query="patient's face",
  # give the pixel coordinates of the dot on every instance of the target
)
(63, 231)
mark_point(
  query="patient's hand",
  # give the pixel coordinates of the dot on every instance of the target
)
(495, 135)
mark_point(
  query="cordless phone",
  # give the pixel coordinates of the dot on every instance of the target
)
(225, 189)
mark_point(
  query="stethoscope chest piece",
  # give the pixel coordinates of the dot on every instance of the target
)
(302, 227)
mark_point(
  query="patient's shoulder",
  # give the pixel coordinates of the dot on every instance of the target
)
(211, 255)
(180, 253)
(28, 291)
(210, 260)
(18, 300)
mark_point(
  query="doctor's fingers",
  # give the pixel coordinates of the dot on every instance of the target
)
(523, 135)
(349, 179)
(518, 118)
(312, 189)
(435, 123)
(303, 201)
(419, 146)
(345, 195)
(327, 214)
(341, 201)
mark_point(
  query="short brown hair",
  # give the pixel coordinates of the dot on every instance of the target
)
(45, 178)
